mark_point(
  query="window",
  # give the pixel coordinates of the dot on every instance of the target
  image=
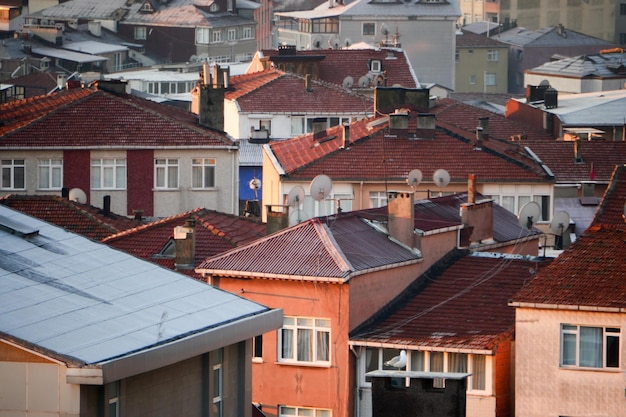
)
(113, 395)
(202, 36)
(456, 56)
(166, 173)
(369, 29)
(472, 79)
(214, 7)
(490, 79)
(305, 339)
(216, 36)
(247, 33)
(140, 33)
(50, 174)
(203, 173)
(589, 347)
(232, 34)
(375, 65)
(622, 8)
(493, 55)
(326, 25)
(257, 348)
(13, 171)
(622, 38)
(218, 382)
(108, 174)
(284, 411)
(378, 199)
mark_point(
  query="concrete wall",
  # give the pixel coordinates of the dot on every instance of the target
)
(475, 64)
(543, 388)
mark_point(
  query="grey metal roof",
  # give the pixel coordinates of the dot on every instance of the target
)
(581, 66)
(84, 303)
(599, 108)
(93, 47)
(86, 9)
(548, 36)
(370, 8)
(68, 55)
(250, 154)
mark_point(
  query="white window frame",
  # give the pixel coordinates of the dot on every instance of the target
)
(217, 36)
(203, 36)
(378, 199)
(166, 173)
(289, 411)
(231, 35)
(108, 174)
(472, 79)
(490, 79)
(218, 383)
(493, 55)
(573, 332)
(297, 328)
(203, 172)
(13, 170)
(247, 33)
(50, 174)
(141, 33)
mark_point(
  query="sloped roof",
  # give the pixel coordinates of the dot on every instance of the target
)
(452, 148)
(337, 64)
(322, 250)
(603, 66)
(215, 233)
(380, 8)
(87, 9)
(556, 155)
(36, 83)
(549, 37)
(469, 39)
(86, 304)
(66, 120)
(183, 13)
(459, 303)
(83, 219)
(591, 273)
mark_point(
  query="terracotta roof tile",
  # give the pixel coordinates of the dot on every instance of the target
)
(79, 218)
(123, 121)
(460, 303)
(592, 271)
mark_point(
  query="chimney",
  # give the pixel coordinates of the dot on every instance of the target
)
(106, 205)
(399, 121)
(479, 218)
(185, 240)
(65, 193)
(479, 139)
(61, 80)
(426, 127)
(307, 82)
(471, 189)
(137, 214)
(401, 217)
(346, 135)
(577, 153)
(484, 123)
(207, 99)
(277, 220)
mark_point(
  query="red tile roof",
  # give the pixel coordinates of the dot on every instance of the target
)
(373, 155)
(315, 249)
(274, 91)
(79, 218)
(337, 64)
(459, 303)
(557, 155)
(592, 271)
(66, 120)
(215, 233)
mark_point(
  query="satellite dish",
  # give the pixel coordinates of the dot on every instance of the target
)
(441, 178)
(364, 81)
(254, 184)
(78, 195)
(384, 30)
(559, 223)
(415, 178)
(347, 42)
(529, 215)
(295, 196)
(317, 42)
(348, 82)
(320, 187)
(334, 42)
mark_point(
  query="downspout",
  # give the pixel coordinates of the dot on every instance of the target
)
(235, 186)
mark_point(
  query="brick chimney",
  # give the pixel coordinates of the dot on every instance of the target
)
(346, 135)
(185, 240)
(477, 215)
(207, 98)
(401, 216)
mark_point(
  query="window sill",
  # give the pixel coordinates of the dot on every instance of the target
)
(305, 364)
(588, 369)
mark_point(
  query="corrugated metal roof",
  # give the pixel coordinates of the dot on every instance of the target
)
(73, 298)
(68, 55)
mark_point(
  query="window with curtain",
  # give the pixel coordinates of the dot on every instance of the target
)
(203, 173)
(166, 173)
(305, 340)
(13, 174)
(50, 174)
(589, 347)
(436, 365)
(108, 173)
(478, 379)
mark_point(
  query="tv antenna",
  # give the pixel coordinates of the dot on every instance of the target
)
(320, 187)
(529, 215)
(414, 178)
(441, 178)
(294, 199)
(255, 185)
(558, 226)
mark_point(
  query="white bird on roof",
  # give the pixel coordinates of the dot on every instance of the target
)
(398, 361)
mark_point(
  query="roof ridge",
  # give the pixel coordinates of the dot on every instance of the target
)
(332, 247)
(152, 224)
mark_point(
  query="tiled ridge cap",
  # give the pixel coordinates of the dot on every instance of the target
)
(164, 220)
